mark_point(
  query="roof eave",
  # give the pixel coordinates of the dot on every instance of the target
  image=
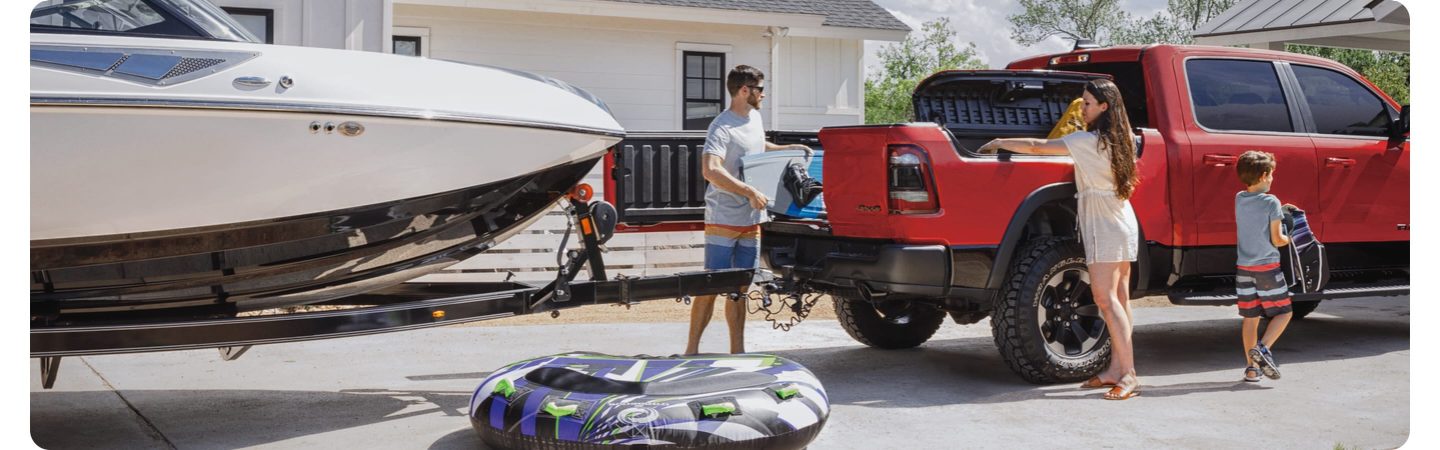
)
(1315, 34)
(867, 34)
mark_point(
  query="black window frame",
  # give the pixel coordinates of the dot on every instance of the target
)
(269, 19)
(685, 77)
(418, 40)
(1282, 79)
(1308, 114)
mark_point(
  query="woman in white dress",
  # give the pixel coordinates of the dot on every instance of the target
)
(1104, 181)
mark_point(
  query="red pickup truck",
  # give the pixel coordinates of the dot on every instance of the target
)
(921, 226)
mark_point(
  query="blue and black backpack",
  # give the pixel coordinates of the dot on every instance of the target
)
(1304, 263)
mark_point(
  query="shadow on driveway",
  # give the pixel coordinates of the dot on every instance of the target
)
(970, 370)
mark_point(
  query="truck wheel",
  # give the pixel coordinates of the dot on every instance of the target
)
(890, 324)
(1045, 322)
(1302, 309)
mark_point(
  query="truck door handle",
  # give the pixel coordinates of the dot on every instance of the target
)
(1339, 162)
(1218, 160)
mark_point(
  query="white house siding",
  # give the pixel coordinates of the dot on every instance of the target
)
(820, 83)
(342, 24)
(632, 64)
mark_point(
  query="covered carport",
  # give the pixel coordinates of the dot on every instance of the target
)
(1270, 24)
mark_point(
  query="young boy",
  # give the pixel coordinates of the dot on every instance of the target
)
(1259, 282)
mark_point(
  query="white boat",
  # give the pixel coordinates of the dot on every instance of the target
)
(177, 163)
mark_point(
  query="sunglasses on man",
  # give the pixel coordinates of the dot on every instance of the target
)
(757, 89)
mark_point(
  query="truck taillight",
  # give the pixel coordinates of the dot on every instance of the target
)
(911, 185)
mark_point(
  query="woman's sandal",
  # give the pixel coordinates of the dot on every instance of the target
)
(1120, 393)
(1252, 374)
(1095, 383)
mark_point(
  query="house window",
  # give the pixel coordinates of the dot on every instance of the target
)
(259, 22)
(704, 87)
(407, 45)
(410, 41)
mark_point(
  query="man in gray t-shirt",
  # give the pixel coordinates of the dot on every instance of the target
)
(733, 210)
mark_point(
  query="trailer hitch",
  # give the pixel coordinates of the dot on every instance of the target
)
(777, 295)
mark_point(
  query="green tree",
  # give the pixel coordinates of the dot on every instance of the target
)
(1389, 71)
(1174, 25)
(1071, 19)
(904, 65)
(1107, 24)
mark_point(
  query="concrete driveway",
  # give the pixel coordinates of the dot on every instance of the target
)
(1346, 382)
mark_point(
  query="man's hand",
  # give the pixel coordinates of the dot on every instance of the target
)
(808, 151)
(990, 147)
(1290, 207)
(757, 199)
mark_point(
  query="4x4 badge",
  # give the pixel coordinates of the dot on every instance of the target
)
(868, 208)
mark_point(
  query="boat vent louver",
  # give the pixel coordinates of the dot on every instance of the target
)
(156, 67)
(188, 65)
(118, 63)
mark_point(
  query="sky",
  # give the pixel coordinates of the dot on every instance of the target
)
(984, 23)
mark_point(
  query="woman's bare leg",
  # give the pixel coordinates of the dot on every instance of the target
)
(1105, 286)
(1124, 292)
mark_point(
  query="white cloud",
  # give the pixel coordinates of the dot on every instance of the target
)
(984, 23)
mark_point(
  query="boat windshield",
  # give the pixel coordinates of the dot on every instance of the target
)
(162, 18)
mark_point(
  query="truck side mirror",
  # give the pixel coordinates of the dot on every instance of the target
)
(1400, 128)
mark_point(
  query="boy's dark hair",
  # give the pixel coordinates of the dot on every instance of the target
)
(740, 76)
(1253, 165)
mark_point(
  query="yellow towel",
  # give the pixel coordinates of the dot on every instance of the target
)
(1073, 120)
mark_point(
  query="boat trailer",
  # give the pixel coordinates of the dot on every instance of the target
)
(402, 307)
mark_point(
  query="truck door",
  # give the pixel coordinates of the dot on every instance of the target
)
(1364, 178)
(1239, 105)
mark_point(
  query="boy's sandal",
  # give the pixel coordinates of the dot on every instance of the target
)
(1120, 393)
(1252, 374)
(1095, 383)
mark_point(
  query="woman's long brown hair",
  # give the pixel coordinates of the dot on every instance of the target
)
(1113, 129)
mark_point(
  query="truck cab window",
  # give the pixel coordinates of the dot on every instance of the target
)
(1341, 105)
(1237, 95)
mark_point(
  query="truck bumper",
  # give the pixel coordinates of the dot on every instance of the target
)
(882, 267)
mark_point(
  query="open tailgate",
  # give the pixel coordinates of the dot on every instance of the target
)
(654, 181)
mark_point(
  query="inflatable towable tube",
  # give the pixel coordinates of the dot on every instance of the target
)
(588, 400)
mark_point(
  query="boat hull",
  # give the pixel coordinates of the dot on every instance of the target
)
(98, 171)
(225, 269)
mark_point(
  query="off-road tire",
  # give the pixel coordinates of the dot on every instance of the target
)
(865, 324)
(1015, 324)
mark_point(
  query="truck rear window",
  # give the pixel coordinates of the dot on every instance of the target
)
(1130, 78)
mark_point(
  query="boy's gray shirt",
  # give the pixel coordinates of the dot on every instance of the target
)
(732, 137)
(1253, 213)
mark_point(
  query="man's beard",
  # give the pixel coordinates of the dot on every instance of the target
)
(754, 102)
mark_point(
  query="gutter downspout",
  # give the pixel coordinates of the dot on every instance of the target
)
(387, 26)
(776, 33)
